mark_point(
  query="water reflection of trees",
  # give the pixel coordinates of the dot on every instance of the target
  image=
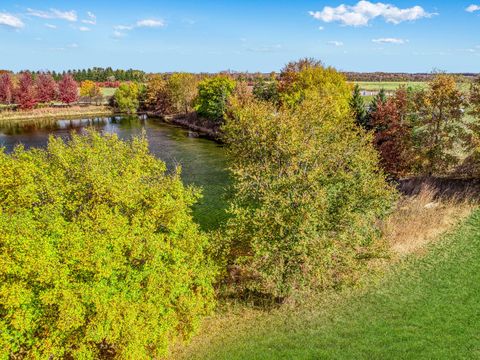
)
(34, 125)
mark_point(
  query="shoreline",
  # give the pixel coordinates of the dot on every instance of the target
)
(51, 113)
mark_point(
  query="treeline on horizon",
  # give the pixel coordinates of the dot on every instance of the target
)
(109, 75)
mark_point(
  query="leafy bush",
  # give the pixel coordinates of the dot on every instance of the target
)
(213, 94)
(126, 98)
(100, 255)
(309, 194)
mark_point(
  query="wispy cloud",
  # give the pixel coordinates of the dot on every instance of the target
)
(10, 21)
(50, 26)
(390, 41)
(84, 28)
(53, 14)
(335, 43)
(472, 8)
(119, 30)
(73, 46)
(365, 11)
(150, 23)
(92, 18)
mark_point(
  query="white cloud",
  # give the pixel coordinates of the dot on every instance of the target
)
(472, 8)
(11, 21)
(119, 30)
(321, 28)
(118, 34)
(365, 11)
(150, 23)
(73, 45)
(84, 28)
(335, 43)
(50, 26)
(54, 14)
(390, 41)
(92, 19)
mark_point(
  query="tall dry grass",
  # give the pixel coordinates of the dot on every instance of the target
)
(424, 217)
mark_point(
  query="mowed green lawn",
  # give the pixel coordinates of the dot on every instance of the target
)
(108, 91)
(426, 308)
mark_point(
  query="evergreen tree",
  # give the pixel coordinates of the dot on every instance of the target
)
(357, 104)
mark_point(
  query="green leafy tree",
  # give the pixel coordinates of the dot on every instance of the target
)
(357, 105)
(213, 94)
(127, 98)
(308, 196)
(439, 128)
(100, 256)
(183, 90)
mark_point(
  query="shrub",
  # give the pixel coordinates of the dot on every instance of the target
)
(100, 255)
(157, 96)
(308, 196)
(182, 88)
(213, 94)
(266, 90)
(67, 89)
(90, 90)
(126, 98)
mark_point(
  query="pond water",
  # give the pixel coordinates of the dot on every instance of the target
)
(203, 161)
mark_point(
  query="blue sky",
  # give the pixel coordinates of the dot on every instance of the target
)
(396, 35)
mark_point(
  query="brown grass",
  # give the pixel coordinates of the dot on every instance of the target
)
(422, 218)
(22, 115)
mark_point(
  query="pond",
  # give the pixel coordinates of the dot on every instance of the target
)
(203, 161)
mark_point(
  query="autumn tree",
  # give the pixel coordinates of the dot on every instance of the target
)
(25, 94)
(393, 133)
(67, 89)
(439, 127)
(308, 78)
(309, 192)
(213, 94)
(6, 88)
(100, 257)
(357, 105)
(157, 95)
(46, 87)
(89, 89)
(182, 88)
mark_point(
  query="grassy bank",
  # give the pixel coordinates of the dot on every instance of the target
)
(24, 115)
(425, 307)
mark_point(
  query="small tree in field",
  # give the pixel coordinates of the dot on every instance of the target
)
(6, 88)
(26, 95)
(100, 256)
(439, 128)
(213, 94)
(309, 192)
(126, 98)
(47, 88)
(67, 89)
(357, 104)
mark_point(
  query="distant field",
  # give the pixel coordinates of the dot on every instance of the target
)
(108, 91)
(393, 85)
(390, 86)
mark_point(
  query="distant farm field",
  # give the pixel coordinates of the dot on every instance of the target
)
(389, 86)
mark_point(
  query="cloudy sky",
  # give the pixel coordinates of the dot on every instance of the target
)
(254, 35)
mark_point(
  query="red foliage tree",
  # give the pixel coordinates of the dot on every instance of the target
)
(47, 88)
(67, 88)
(25, 94)
(393, 135)
(6, 88)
